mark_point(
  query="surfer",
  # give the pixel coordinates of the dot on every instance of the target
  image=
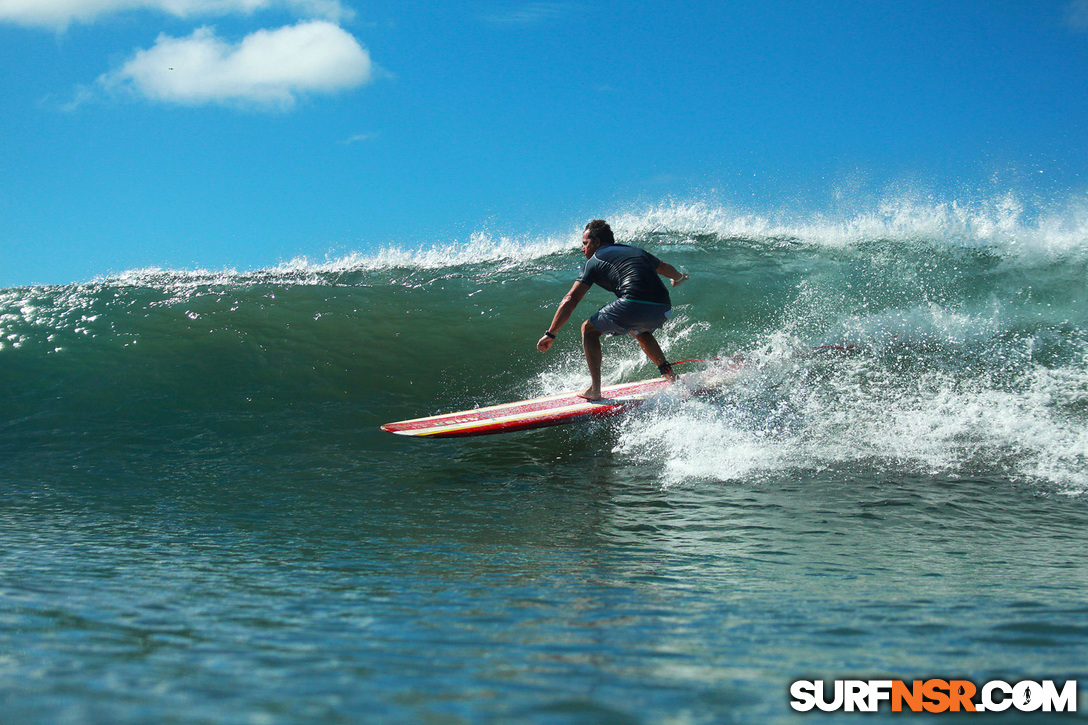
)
(642, 306)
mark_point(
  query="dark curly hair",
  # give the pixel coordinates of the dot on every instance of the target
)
(600, 232)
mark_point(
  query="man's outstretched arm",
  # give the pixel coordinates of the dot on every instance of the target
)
(667, 270)
(566, 309)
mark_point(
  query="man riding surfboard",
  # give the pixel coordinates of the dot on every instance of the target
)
(642, 303)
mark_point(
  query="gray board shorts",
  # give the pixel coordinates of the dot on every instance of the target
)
(621, 316)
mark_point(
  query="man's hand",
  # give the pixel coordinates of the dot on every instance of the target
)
(544, 343)
(667, 270)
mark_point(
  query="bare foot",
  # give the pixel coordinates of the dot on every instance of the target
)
(590, 393)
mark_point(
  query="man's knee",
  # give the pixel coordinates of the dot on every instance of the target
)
(588, 330)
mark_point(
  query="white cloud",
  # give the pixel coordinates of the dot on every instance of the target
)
(1076, 14)
(61, 13)
(528, 14)
(269, 69)
(361, 137)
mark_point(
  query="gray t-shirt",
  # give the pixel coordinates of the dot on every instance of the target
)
(628, 272)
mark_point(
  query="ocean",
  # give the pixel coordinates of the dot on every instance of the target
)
(201, 521)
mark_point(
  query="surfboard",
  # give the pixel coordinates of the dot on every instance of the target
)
(560, 408)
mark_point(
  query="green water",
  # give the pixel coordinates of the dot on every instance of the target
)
(200, 520)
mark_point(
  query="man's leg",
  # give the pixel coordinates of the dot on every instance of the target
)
(649, 345)
(591, 343)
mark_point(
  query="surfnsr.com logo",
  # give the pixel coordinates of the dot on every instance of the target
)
(934, 695)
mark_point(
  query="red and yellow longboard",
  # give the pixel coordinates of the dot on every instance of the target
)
(557, 409)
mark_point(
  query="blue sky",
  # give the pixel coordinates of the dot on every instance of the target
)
(244, 133)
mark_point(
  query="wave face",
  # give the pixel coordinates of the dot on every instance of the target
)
(968, 328)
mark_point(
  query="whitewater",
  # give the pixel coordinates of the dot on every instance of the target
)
(203, 522)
